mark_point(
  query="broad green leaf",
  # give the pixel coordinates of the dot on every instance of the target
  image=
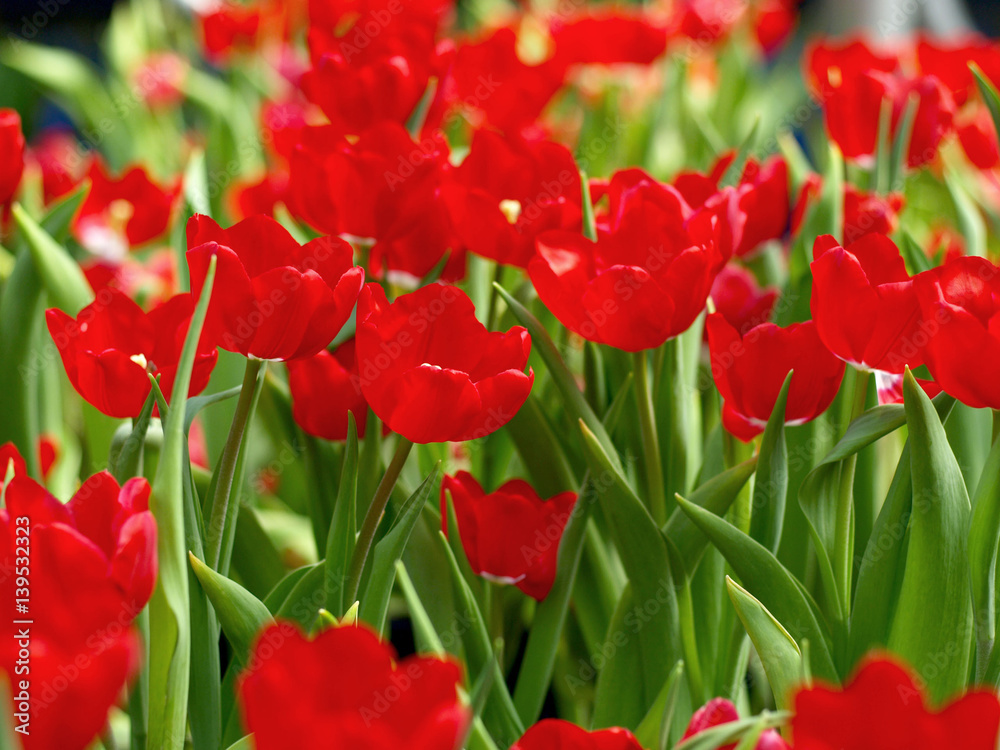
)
(778, 651)
(375, 597)
(770, 582)
(984, 536)
(241, 614)
(64, 281)
(306, 598)
(244, 744)
(934, 616)
(767, 513)
(344, 526)
(170, 636)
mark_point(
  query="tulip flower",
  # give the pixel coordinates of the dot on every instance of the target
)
(273, 299)
(325, 387)
(749, 371)
(122, 213)
(882, 707)
(864, 305)
(507, 191)
(11, 462)
(511, 535)
(432, 372)
(644, 281)
(556, 733)
(348, 689)
(866, 212)
(61, 160)
(111, 345)
(960, 306)
(608, 38)
(92, 570)
(949, 62)
(719, 711)
(229, 29)
(11, 154)
(978, 136)
(740, 299)
(150, 281)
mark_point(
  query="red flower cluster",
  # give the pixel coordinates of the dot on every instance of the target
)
(511, 535)
(347, 687)
(90, 566)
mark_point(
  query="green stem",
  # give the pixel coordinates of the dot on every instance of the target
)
(844, 532)
(650, 441)
(492, 310)
(223, 511)
(374, 516)
(689, 643)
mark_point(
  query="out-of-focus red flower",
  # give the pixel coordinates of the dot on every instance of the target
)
(112, 344)
(773, 23)
(368, 15)
(93, 567)
(740, 299)
(123, 213)
(325, 387)
(61, 160)
(866, 212)
(852, 80)
(432, 372)
(507, 191)
(763, 195)
(949, 62)
(198, 445)
(231, 28)
(556, 733)
(719, 711)
(882, 707)
(945, 244)
(160, 79)
(48, 453)
(11, 154)
(150, 282)
(864, 305)
(273, 298)
(608, 38)
(250, 198)
(511, 535)
(289, 699)
(282, 123)
(489, 84)
(708, 21)
(645, 279)
(384, 187)
(749, 371)
(960, 305)
(978, 136)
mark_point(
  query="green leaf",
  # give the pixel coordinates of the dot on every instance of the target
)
(126, 456)
(63, 279)
(344, 526)
(241, 614)
(731, 178)
(170, 636)
(644, 554)
(540, 449)
(654, 729)
(934, 618)
(244, 744)
(726, 734)
(375, 598)
(770, 582)
(778, 651)
(984, 537)
(771, 485)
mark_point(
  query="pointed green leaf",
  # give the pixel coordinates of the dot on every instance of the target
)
(770, 489)
(984, 537)
(64, 280)
(654, 729)
(343, 527)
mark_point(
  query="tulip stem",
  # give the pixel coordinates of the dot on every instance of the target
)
(374, 516)
(222, 517)
(650, 441)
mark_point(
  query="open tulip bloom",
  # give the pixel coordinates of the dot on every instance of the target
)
(440, 375)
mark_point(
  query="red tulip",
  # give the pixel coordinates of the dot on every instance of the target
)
(229, 29)
(11, 154)
(960, 304)
(646, 278)
(864, 305)
(507, 191)
(11, 463)
(511, 535)
(324, 388)
(740, 299)
(49, 449)
(608, 38)
(112, 344)
(556, 733)
(949, 62)
(882, 707)
(348, 688)
(889, 387)
(978, 136)
(151, 281)
(273, 299)
(92, 568)
(719, 711)
(432, 372)
(249, 198)
(829, 64)
(121, 214)
(749, 371)
(706, 21)
(773, 23)
(61, 160)
(866, 212)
